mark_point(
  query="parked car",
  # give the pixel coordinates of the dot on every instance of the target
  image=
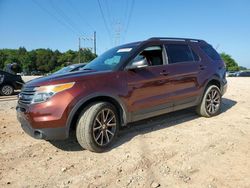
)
(70, 68)
(36, 73)
(231, 74)
(9, 82)
(125, 84)
(244, 74)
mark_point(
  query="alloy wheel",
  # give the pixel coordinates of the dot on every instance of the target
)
(7, 90)
(104, 127)
(213, 101)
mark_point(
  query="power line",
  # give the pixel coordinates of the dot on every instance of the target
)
(52, 15)
(126, 11)
(79, 14)
(68, 20)
(129, 16)
(111, 19)
(104, 19)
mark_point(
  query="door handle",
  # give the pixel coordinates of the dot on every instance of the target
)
(203, 67)
(164, 73)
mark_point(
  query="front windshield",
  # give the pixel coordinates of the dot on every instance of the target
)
(110, 59)
(65, 69)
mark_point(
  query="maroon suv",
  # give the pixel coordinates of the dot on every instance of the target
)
(125, 84)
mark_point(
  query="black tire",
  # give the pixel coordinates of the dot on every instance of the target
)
(6, 90)
(207, 107)
(93, 123)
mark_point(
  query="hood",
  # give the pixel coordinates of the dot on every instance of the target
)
(63, 78)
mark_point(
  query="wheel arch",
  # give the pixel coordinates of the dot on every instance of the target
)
(214, 80)
(84, 103)
(7, 83)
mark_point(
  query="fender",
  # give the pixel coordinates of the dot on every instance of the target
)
(205, 84)
(125, 114)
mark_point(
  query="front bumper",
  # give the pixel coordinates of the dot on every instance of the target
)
(58, 133)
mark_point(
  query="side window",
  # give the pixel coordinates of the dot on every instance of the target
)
(152, 55)
(179, 53)
(196, 57)
(211, 52)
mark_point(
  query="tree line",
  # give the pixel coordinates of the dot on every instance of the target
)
(47, 60)
(231, 64)
(43, 60)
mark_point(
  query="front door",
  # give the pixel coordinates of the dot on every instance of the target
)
(148, 85)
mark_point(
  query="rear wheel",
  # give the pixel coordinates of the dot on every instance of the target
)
(97, 127)
(6, 90)
(211, 102)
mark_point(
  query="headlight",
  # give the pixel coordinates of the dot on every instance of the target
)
(1, 78)
(44, 93)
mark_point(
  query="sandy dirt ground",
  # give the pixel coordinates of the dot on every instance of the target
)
(179, 149)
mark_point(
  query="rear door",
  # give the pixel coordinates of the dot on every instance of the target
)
(183, 73)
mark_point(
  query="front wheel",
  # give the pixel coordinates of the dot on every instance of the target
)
(211, 102)
(97, 127)
(6, 90)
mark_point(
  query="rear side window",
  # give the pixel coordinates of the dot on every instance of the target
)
(196, 57)
(211, 52)
(179, 53)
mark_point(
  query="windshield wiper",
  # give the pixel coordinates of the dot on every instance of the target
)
(87, 69)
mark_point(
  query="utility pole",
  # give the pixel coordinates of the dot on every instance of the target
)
(85, 39)
(79, 50)
(95, 42)
(117, 29)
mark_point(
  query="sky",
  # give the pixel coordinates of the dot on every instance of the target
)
(57, 24)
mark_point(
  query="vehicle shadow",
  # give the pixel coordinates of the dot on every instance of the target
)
(145, 126)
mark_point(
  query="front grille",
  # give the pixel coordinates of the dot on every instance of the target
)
(26, 95)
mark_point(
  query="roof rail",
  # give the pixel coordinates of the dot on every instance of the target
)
(175, 39)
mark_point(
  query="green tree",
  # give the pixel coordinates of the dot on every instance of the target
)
(87, 55)
(230, 62)
(45, 60)
(242, 68)
(3, 58)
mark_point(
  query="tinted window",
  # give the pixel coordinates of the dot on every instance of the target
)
(196, 57)
(179, 53)
(152, 55)
(210, 52)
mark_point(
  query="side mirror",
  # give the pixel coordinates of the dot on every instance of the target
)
(138, 64)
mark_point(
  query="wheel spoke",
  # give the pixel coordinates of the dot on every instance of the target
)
(103, 117)
(102, 139)
(210, 108)
(209, 96)
(110, 119)
(97, 128)
(213, 94)
(111, 124)
(108, 131)
(98, 121)
(216, 95)
(217, 98)
(216, 102)
(107, 136)
(99, 136)
(214, 106)
(107, 115)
